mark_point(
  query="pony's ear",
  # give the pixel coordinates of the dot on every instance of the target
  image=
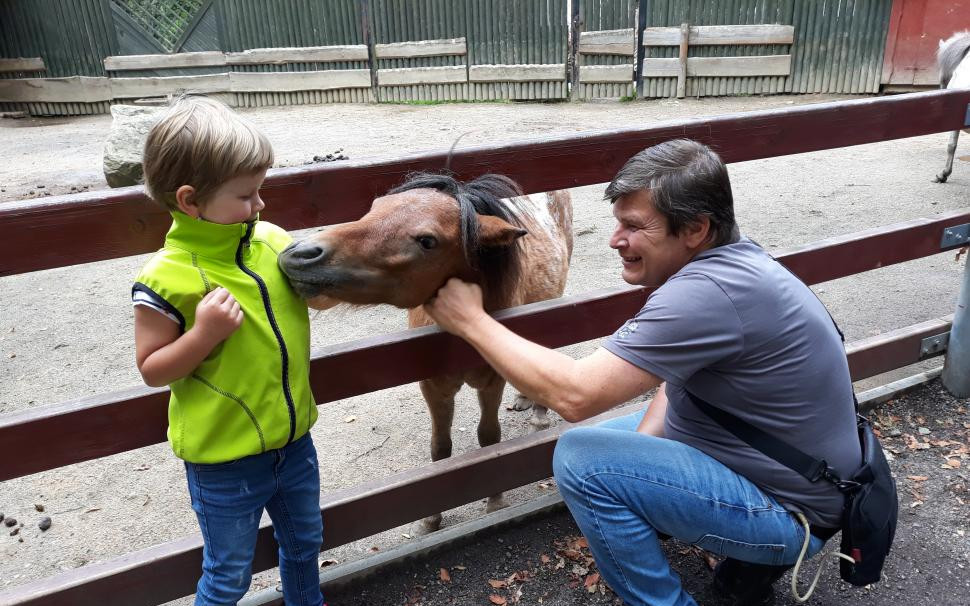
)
(493, 231)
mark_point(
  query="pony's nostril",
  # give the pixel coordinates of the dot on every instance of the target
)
(304, 253)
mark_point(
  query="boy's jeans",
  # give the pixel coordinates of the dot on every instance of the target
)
(229, 498)
(622, 487)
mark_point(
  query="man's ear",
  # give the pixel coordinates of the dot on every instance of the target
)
(493, 231)
(185, 200)
(697, 232)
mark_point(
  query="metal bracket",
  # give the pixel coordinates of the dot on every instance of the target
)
(957, 235)
(933, 346)
(966, 117)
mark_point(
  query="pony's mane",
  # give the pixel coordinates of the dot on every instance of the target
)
(950, 55)
(499, 266)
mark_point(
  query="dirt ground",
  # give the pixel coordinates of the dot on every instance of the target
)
(66, 333)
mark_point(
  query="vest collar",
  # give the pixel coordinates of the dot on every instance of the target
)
(212, 240)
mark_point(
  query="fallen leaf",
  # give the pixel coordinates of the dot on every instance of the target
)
(444, 576)
(954, 463)
(592, 579)
(350, 419)
(574, 583)
(544, 559)
(496, 599)
(497, 584)
(918, 478)
(572, 554)
(915, 504)
(458, 567)
(328, 562)
(580, 543)
(405, 535)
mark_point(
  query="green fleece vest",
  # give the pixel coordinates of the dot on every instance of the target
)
(252, 393)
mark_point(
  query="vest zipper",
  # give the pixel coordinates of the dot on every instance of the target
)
(264, 293)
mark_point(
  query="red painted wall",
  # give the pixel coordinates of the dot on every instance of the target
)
(915, 30)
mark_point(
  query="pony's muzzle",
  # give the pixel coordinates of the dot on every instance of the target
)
(303, 256)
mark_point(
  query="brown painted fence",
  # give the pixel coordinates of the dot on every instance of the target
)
(88, 227)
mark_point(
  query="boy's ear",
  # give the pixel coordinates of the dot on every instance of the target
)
(185, 200)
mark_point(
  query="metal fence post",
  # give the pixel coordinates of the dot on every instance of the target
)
(956, 368)
(638, 53)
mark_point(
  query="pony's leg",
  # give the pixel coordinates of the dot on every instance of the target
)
(439, 393)
(951, 149)
(539, 419)
(489, 430)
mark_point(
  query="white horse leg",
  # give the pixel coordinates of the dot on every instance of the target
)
(951, 149)
(539, 419)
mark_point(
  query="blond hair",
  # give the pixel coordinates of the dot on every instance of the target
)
(202, 143)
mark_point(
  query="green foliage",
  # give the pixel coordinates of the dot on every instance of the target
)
(165, 20)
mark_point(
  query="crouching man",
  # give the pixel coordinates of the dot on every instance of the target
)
(727, 324)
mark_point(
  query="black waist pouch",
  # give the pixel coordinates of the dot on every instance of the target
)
(871, 510)
(871, 505)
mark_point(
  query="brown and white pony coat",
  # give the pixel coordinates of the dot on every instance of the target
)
(430, 229)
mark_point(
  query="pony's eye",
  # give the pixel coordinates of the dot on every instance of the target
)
(427, 242)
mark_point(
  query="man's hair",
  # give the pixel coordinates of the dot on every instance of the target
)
(686, 181)
(202, 143)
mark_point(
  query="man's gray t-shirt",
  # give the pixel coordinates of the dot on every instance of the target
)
(738, 330)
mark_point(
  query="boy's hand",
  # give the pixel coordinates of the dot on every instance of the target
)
(217, 315)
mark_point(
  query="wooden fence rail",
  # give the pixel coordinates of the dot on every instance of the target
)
(64, 230)
(107, 424)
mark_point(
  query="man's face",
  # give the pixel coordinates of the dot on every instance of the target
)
(649, 252)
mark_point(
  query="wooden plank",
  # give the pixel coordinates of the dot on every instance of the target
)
(403, 76)
(421, 48)
(130, 88)
(196, 59)
(168, 571)
(92, 226)
(22, 64)
(247, 82)
(608, 42)
(544, 72)
(721, 34)
(305, 54)
(606, 73)
(762, 65)
(73, 89)
(91, 427)
(682, 61)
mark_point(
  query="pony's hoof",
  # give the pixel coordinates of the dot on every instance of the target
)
(428, 525)
(540, 423)
(940, 178)
(495, 503)
(521, 403)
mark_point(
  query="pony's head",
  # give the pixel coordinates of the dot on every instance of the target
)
(417, 236)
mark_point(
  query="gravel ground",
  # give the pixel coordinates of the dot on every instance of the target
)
(546, 562)
(66, 333)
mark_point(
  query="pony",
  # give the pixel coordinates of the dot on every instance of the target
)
(431, 228)
(954, 73)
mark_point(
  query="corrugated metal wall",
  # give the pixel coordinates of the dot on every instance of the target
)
(838, 44)
(517, 31)
(246, 24)
(411, 20)
(71, 36)
(599, 15)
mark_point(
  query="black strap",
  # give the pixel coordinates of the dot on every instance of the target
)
(801, 463)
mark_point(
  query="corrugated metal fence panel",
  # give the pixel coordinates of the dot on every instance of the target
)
(605, 15)
(518, 31)
(246, 24)
(205, 32)
(838, 44)
(71, 36)
(414, 20)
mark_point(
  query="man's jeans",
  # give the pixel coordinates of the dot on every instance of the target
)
(624, 487)
(229, 498)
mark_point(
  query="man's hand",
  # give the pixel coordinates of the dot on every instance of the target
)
(217, 316)
(456, 306)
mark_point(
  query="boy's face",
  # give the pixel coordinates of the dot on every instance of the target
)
(236, 201)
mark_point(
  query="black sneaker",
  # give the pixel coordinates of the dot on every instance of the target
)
(746, 584)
